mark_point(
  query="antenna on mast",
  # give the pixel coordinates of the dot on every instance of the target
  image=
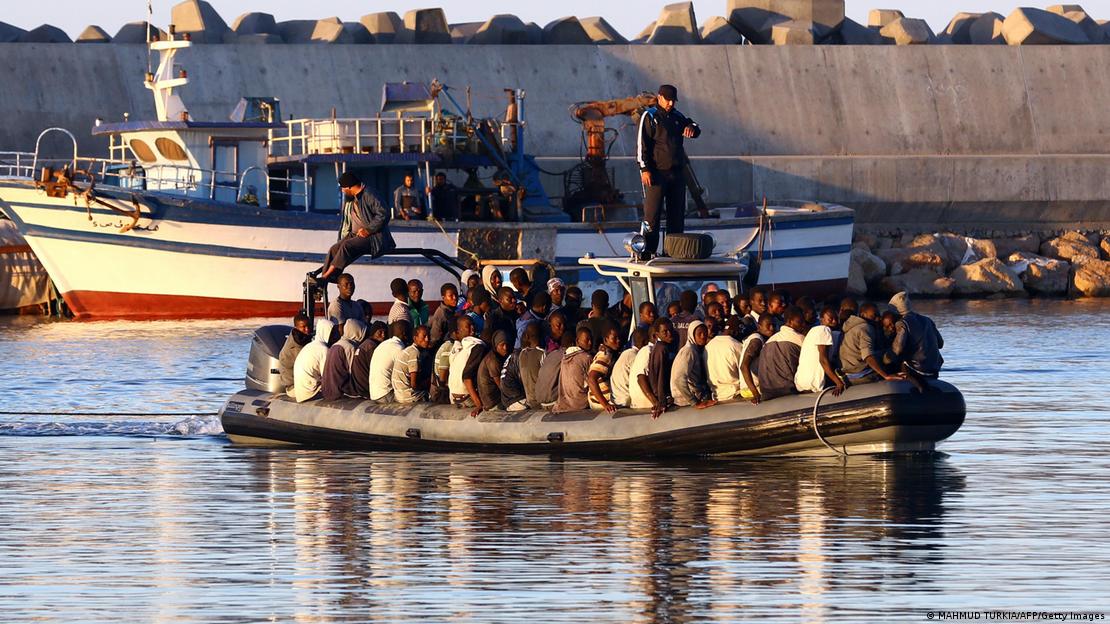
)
(149, 21)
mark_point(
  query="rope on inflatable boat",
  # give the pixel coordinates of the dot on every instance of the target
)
(842, 453)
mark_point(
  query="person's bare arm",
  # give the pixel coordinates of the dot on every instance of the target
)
(472, 390)
(823, 353)
(593, 380)
(645, 387)
(877, 366)
(746, 370)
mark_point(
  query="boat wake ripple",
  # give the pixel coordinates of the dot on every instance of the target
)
(192, 426)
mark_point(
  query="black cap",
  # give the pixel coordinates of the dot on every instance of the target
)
(669, 91)
(348, 179)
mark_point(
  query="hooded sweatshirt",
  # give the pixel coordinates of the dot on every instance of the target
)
(689, 383)
(461, 364)
(916, 340)
(308, 369)
(294, 342)
(619, 377)
(572, 380)
(487, 274)
(860, 340)
(723, 355)
(337, 370)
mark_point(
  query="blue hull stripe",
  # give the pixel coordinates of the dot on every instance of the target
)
(802, 252)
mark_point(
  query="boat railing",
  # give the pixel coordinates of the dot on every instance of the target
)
(360, 135)
(17, 165)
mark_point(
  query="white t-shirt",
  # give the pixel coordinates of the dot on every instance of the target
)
(810, 376)
(722, 356)
(619, 381)
(381, 367)
(636, 397)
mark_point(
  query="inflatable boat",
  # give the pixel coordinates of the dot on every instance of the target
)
(866, 419)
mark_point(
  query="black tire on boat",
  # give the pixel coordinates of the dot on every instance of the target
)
(688, 246)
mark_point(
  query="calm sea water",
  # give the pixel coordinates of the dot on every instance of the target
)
(158, 518)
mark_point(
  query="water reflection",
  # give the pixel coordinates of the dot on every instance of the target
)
(652, 542)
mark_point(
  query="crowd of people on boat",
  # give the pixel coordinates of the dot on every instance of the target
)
(519, 346)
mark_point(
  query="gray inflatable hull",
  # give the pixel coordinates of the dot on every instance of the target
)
(871, 418)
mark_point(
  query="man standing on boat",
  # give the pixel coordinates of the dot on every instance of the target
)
(365, 229)
(662, 159)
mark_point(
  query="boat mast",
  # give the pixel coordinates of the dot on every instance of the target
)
(162, 82)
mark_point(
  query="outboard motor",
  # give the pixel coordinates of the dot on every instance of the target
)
(262, 366)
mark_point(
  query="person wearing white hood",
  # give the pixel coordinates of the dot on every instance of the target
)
(336, 381)
(689, 382)
(308, 369)
(462, 376)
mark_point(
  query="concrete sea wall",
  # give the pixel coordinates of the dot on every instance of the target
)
(1004, 137)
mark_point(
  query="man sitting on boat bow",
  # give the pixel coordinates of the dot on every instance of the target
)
(365, 229)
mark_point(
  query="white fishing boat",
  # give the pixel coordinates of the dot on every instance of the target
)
(187, 218)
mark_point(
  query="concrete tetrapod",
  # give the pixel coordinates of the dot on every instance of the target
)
(565, 31)
(601, 31)
(1028, 26)
(255, 24)
(987, 29)
(425, 26)
(94, 34)
(793, 32)
(878, 18)
(199, 20)
(750, 17)
(45, 34)
(9, 33)
(136, 32)
(852, 32)
(1075, 13)
(502, 29)
(718, 31)
(463, 31)
(959, 27)
(384, 27)
(677, 25)
(908, 31)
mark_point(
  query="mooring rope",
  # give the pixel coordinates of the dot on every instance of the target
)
(820, 437)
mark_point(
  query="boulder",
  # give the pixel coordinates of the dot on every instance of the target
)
(45, 34)
(873, 267)
(502, 29)
(959, 27)
(878, 18)
(94, 34)
(1104, 246)
(565, 31)
(255, 24)
(601, 32)
(792, 32)
(986, 30)
(717, 31)
(676, 25)
(425, 26)
(1090, 277)
(1069, 246)
(1040, 275)
(853, 33)
(1075, 13)
(461, 33)
(901, 260)
(751, 17)
(919, 282)
(1029, 243)
(989, 276)
(955, 249)
(199, 20)
(384, 27)
(908, 31)
(136, 32)
(1029, 26)
(857, 285)
(644, 34)
(9, 33)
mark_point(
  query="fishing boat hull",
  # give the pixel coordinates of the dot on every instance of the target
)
(872, 418)
(193, 258)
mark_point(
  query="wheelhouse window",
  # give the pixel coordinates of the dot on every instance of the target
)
(141, 150)
(171, 150)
